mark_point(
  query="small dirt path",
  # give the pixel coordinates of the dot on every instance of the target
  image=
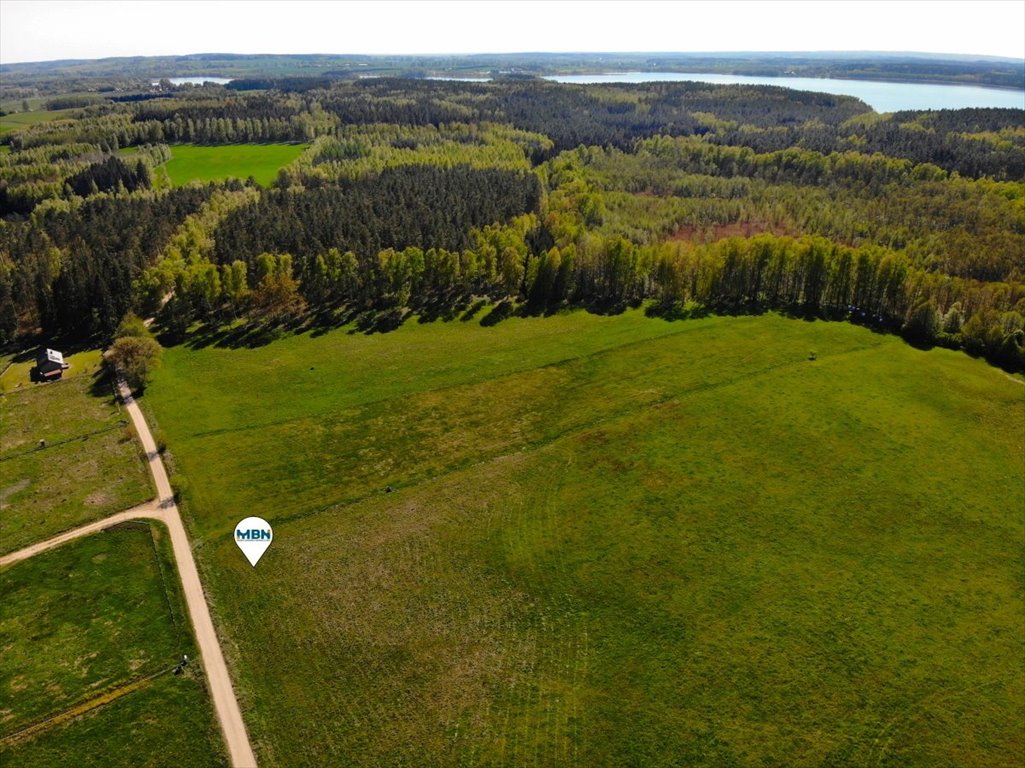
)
(163, 508)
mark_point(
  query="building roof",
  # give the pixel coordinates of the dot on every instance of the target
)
(51, 356)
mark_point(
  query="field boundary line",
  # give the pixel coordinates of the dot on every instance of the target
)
(121, 424)
(163, 586)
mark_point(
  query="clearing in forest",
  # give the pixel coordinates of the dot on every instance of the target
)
(193, 162)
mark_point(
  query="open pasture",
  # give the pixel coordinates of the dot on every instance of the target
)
(193, 162)
(19, 120)
(588, 540)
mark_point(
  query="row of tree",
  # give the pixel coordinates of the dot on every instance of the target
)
(809, 275)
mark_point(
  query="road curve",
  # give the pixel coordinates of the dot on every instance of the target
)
(151, 510)
(229, 715)
(163, 508)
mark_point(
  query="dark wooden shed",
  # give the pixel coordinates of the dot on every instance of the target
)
(50, 365)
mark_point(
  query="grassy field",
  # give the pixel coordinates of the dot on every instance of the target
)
(589, 540)
(91, 466)
(190, 162)
(19, 120)
(94, 627)
(16, 373)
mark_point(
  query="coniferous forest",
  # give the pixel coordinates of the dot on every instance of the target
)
(426, 197)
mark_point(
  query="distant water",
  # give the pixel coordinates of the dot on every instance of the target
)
(463, 79)
(882, 97)
(196, 80)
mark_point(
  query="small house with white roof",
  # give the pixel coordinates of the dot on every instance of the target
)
(50, 365)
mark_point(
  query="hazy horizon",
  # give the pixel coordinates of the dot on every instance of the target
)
(50, 30)
(712, 54)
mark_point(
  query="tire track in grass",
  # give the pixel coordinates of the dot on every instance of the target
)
(884, 739)
(80, 709)
(498, 377)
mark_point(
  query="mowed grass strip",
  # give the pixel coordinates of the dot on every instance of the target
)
(636, 543)
(90, 467)
(83, 621)
(194, 162)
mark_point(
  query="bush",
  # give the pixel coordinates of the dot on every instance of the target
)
(179, 487)
(132, 325)
(922, 324)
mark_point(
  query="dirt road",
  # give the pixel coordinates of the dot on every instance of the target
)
(229, 715)
(151, 509)
(163, 508)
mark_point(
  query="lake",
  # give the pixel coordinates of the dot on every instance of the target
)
(882, 97)
(196, 80)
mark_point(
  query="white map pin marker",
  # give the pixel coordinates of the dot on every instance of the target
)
(253, 535)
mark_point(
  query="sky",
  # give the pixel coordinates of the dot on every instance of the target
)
(43, 30)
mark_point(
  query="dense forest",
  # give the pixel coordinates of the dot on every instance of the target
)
(427, 197)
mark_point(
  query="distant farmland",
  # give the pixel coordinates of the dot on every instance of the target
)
(191, 162)
(585, 540)
(20, 120)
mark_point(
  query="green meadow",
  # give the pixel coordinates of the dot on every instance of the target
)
(90, 467)
(90, 632)
(589, 540)
(193, 162)
(20, 120)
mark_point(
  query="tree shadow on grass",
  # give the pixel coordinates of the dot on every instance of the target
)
(471, 311)
(673, 311)
(498, 313)
(446, 307)
(381, 321)
(244, 336)
(66, 345)
(102, 384)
